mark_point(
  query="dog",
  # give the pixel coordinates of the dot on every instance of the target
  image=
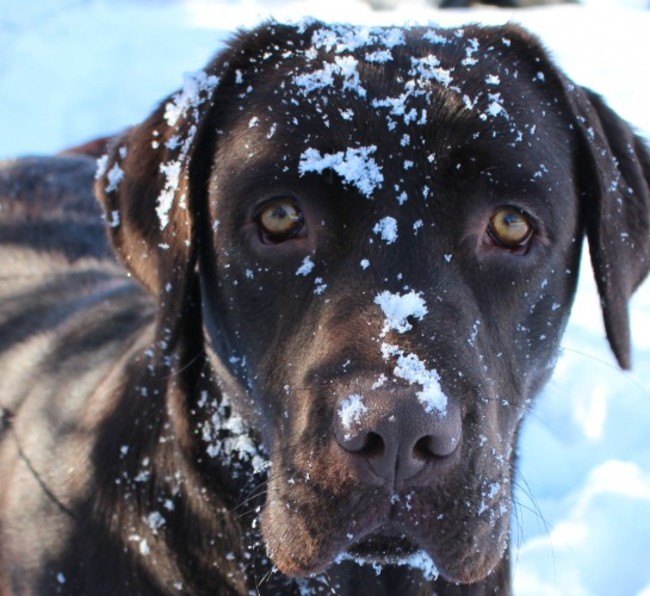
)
(345, 260)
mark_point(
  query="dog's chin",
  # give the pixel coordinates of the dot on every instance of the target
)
(375, 550)
(381, 549)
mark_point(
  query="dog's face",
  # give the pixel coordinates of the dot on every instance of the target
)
(386, 227)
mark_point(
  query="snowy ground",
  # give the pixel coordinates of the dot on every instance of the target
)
(74, 69)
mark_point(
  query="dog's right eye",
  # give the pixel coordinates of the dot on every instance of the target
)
(279, 220)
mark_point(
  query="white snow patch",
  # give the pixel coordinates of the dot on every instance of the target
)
(197, 88)
(113, 219)
(355, 166)
(306, 267)
(343, 66)
(350, 410)
(114, 176)
(428, 68)
(380, 56)
(410, 368)
(155, 521)
(386, 228)
(102, 165)
(418, 560)
(227, 434)
(398, 308)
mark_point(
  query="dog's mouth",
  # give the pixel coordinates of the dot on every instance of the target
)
(383, 548)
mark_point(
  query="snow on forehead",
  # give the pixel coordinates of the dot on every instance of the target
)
(345, 38)
(432, 65)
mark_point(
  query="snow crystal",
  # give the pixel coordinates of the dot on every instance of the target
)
(365, 263)
(343, 66)
(355, 166)
(306, 267)
(470, 51)
(171, 170)
(115, 176)
(113, 219)
(102, 166)
(380, 56)
(410, 368)
(435, 38)
(397, 105)
(398, 308)
(155, 521)
(428, 68)
(144, 547)
(386, 228)
(495, 108)
(189, 97)
(346, 38)
(350, 411)
(320, 286)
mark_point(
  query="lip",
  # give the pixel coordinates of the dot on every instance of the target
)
(383, 547)
(386, 548)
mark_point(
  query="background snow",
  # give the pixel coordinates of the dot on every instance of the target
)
(74, 69)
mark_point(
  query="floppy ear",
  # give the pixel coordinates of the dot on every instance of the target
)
(614, 178)
(144, 184)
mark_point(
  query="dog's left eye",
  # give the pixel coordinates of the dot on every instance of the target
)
(510, 228)
(279, 220)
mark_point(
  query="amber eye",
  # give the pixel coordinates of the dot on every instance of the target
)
(511, 228)
(279, 220)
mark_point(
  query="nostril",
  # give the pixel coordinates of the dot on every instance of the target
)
(431, 446)
(368, 444)
(374, 446)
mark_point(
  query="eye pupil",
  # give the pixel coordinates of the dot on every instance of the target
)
(510, 228)
(280, 220)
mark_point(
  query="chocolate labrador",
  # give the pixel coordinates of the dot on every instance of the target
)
(345, 260)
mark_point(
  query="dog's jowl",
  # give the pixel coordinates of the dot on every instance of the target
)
(345, 258)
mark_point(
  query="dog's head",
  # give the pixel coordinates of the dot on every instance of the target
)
(381, 232)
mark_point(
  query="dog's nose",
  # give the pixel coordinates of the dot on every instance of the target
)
(394, 435)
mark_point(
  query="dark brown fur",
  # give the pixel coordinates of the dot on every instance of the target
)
(123, 393)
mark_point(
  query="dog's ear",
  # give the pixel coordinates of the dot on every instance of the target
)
(614, 178)
(145, 186)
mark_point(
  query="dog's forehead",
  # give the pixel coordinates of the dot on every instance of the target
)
(343, 93)
(400, 75)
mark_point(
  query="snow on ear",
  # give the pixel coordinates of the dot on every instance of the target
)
(614, 177)
(144, 186)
